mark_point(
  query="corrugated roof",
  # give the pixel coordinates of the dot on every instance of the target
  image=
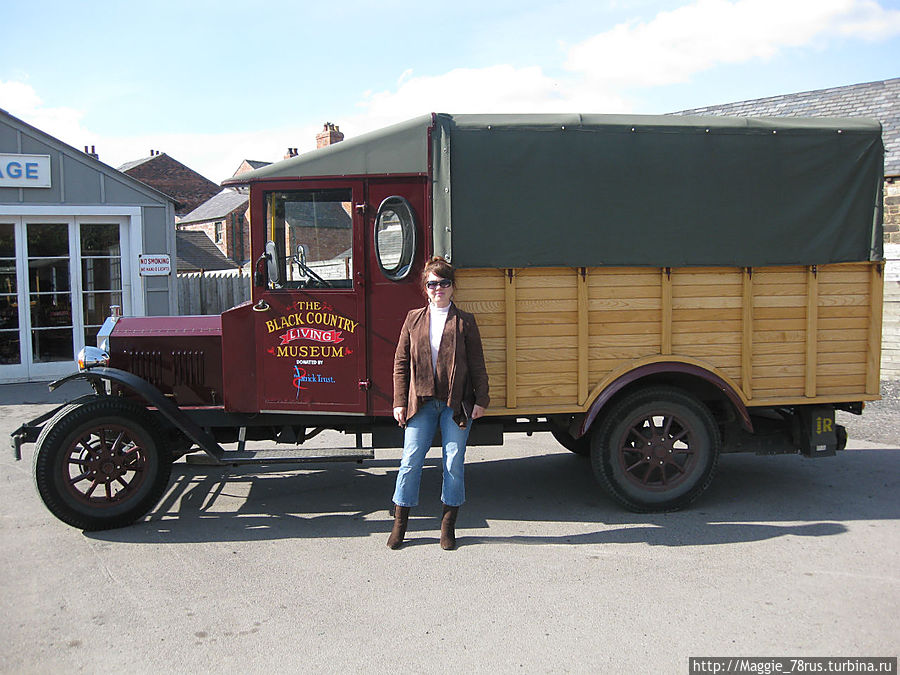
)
(196, 252)
(217, 207)
(877, 100)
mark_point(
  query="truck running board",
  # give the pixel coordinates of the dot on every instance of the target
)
(275, 456)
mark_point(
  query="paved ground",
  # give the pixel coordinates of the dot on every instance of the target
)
(244, 571)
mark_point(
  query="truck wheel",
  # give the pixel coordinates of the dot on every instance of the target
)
(656, 450)
(100, 465)
(580, 446)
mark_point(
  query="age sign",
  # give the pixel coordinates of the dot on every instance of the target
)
(25, 171)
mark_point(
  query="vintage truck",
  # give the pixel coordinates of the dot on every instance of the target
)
(652, 290)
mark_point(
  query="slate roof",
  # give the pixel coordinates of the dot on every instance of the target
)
(879, 100)
(137, 162)
(217, 207)
(196, 252)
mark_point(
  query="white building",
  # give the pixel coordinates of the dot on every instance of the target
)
(72, 231)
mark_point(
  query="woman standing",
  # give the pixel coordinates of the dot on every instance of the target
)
(439, 381)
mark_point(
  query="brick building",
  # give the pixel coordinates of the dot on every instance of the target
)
(878, 100)
(187, 187)
(224, 219)
(197, 253)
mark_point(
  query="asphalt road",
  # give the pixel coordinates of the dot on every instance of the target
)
(239, 570)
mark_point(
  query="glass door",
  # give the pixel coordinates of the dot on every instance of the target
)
(58, 278)
(100, 251)
(12, 334)
(49, 287)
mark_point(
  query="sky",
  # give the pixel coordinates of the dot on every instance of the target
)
(213, 83)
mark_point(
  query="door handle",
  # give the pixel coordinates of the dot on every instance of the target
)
(364, 385)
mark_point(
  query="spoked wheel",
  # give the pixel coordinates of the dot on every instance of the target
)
(656, 450)
(100, 464)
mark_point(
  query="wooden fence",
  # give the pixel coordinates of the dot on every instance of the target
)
(212, 292)
(215, 292)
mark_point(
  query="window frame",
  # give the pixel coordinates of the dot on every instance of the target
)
(407, 215)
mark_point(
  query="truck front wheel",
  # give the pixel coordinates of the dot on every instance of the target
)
(101, 464)
(656, 449)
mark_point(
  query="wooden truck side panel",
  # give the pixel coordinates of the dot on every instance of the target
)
(554, 338)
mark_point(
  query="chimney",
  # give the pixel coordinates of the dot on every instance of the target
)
(291, 152)
(329, 135)
(92, 152)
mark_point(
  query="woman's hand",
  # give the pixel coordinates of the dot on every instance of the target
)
(400, 415)
(477, 411)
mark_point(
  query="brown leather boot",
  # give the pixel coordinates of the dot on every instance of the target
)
(448, 527)
(401, 518)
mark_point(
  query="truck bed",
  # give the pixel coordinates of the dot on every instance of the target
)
(554, 338)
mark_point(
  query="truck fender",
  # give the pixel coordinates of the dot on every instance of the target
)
(154, 398)
(657, 368)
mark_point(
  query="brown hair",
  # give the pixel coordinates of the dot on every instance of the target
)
(440, 268)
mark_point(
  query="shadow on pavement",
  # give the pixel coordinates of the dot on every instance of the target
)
(37, 393)
(751, 499)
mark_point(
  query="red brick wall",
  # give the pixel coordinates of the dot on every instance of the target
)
(187, 187)
(232, 226)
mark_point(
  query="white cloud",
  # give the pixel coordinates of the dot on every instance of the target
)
(22, 101)
(216, 156)
(675, 45)
(494, 89)
(599, 75)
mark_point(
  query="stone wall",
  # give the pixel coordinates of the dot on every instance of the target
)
(892, 211)
(890, 331)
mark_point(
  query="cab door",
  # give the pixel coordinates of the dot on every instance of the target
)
(310, 319)
(397, 247)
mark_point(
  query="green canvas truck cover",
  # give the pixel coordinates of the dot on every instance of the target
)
(611, 190)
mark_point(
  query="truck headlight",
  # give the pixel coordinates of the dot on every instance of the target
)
(91, 357)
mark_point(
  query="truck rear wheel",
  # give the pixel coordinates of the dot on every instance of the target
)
(100, 465)
(656, 450)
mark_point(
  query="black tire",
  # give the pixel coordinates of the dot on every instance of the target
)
(656, 450)
(100, 465)
(580, 446)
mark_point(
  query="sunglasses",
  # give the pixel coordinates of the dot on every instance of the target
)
(443, 283)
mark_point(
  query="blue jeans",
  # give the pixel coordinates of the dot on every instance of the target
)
(416, 441)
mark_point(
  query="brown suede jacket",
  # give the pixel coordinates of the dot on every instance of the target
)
(460, 378)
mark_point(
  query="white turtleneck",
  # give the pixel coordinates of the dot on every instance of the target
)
(438, 319)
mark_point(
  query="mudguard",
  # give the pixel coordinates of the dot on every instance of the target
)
(665, 367)
(154, 398)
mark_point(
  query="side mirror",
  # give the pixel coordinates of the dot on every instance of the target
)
(267, 268)
(272, 266)
(301, 254)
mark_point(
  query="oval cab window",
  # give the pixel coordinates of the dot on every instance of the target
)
(395, 237)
